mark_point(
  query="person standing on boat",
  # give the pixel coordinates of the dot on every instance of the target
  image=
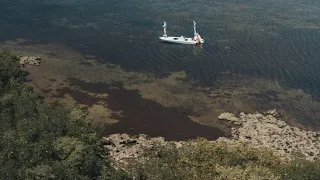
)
(164, 29)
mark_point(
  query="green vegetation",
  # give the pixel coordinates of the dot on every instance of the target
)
(50, 141)
(300, 169)
(45, 141)
(201, 159)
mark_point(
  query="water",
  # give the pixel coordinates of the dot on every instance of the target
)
(277, 40)
(274, 39)
(141, 116)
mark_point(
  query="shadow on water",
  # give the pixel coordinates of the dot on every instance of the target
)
(141, 116)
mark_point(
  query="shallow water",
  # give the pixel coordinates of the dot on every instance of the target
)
(137, 115)
(276, 40)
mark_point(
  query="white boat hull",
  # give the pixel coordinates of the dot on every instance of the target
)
(180, 40)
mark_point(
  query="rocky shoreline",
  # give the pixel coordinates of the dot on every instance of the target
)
(29, 60)
(124, 148)
(258, 129)
(265, 130)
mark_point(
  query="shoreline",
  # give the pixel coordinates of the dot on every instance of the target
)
(259, 141)
(78, 79)
(258, 130)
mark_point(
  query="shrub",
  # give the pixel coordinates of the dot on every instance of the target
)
(300, 169)
(45, 141)
(201, 159)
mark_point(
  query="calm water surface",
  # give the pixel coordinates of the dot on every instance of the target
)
(274, 39)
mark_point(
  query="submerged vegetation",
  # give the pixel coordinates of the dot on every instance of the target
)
(49, 141)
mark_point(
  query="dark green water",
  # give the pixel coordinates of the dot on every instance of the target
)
(277, 39)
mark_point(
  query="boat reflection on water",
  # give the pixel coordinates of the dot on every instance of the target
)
(196, 50)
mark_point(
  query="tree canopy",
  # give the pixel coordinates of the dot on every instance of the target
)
(45, 141)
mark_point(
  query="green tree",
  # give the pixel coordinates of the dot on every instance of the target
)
(45, 141)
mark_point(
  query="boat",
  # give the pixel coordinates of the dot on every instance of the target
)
(182, 39)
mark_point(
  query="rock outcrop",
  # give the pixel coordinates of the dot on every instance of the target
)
(123, 148)
(259, 130)
(267, 131)
(29, 60)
